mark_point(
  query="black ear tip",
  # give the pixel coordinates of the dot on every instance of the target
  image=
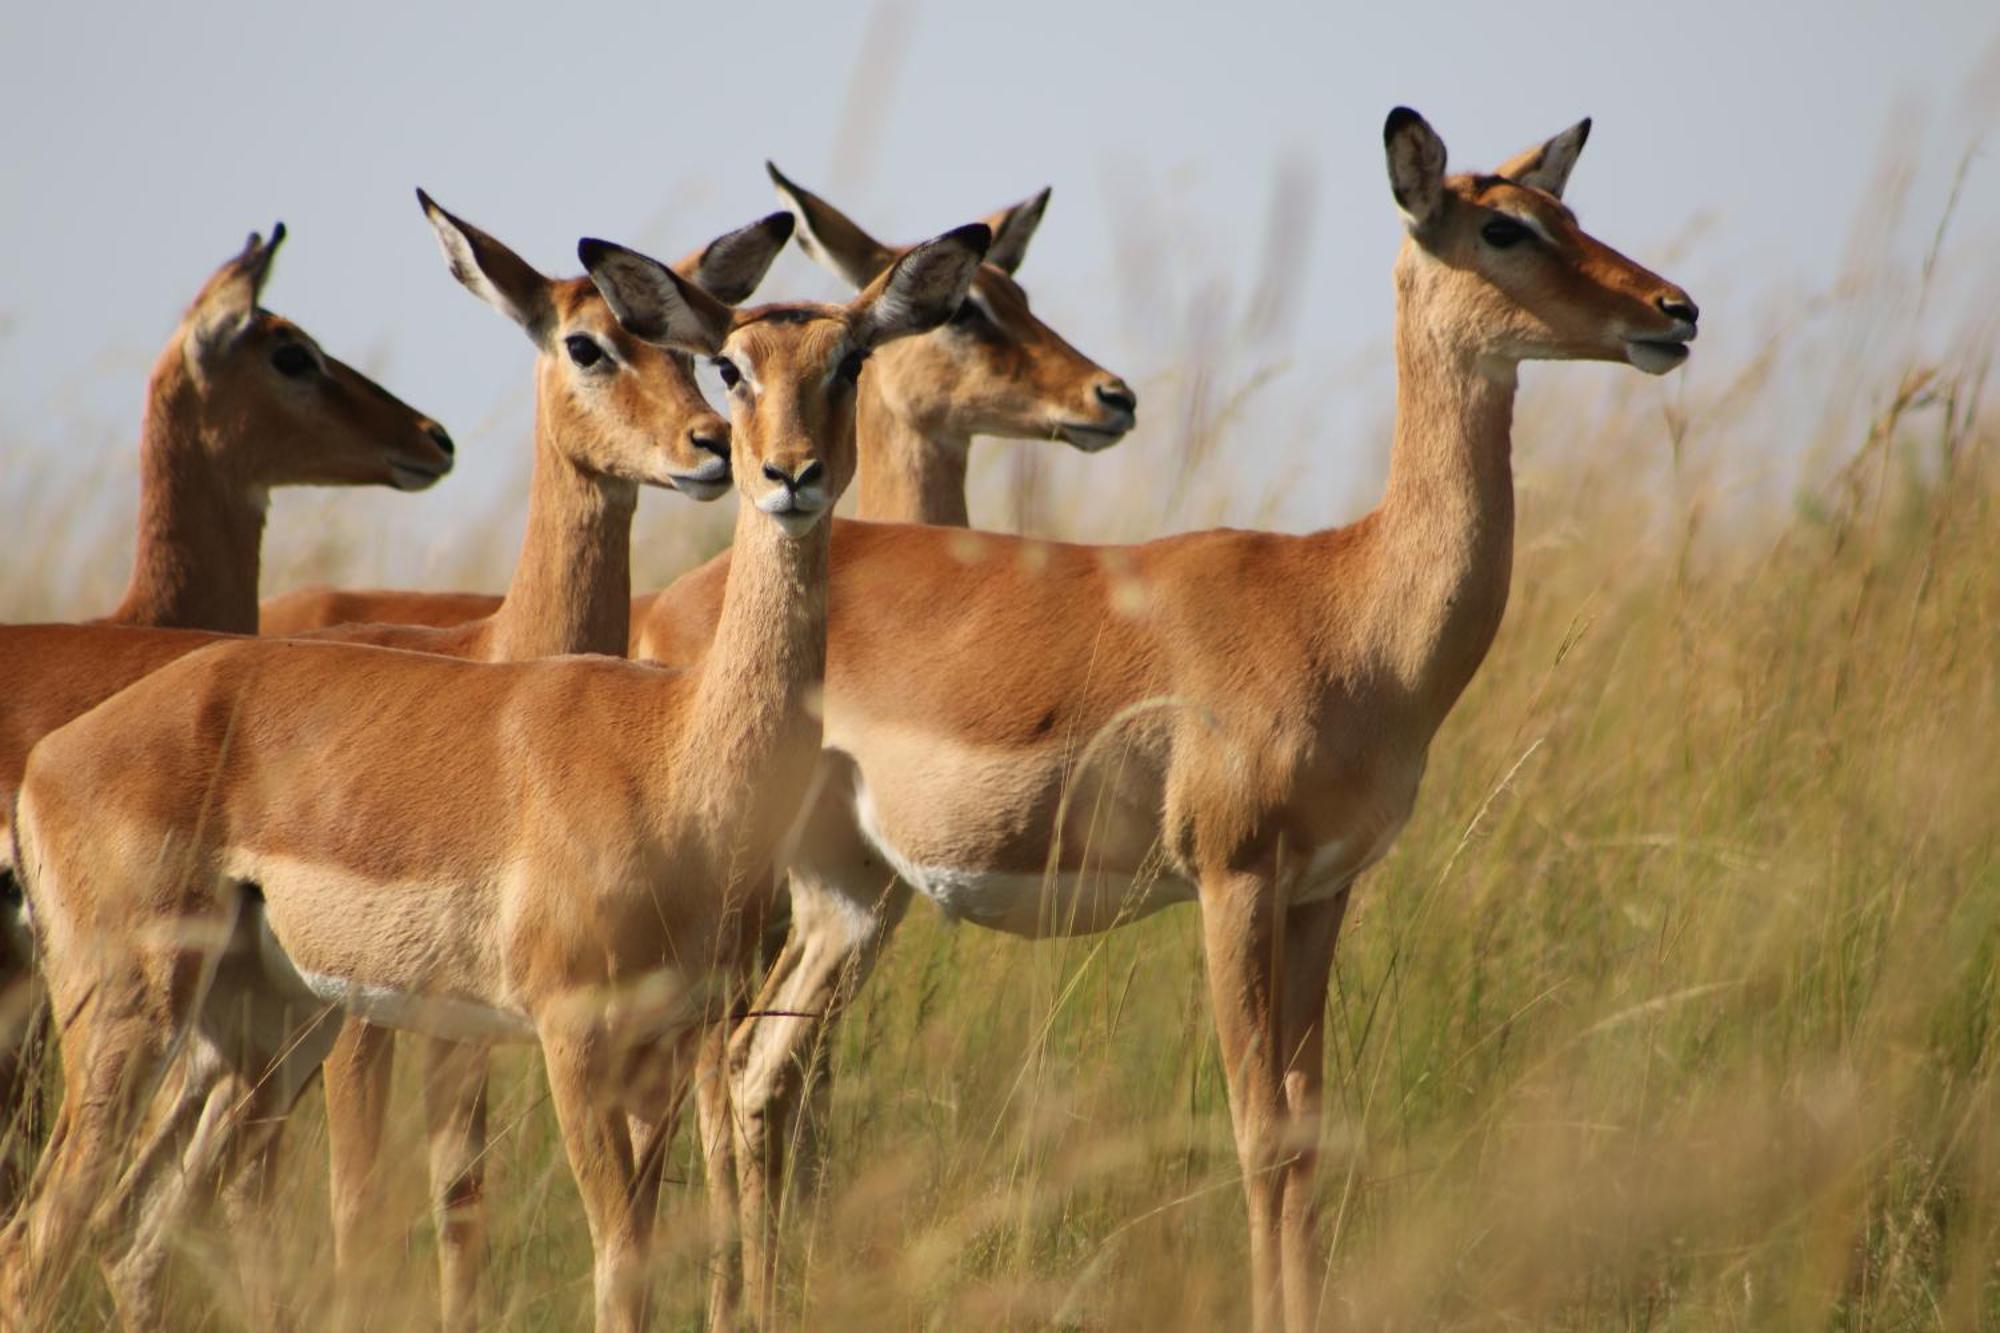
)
(277, 235)
(778, 226)
(778, 177)
(1582, 130)
(975, 236)
(425, 202)
(1399, 120)
(593, 252)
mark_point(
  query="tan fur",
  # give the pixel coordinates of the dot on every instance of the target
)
(999, 371)
(600, 432)
(222, 426)
(269, 812)
(597, 437)
(1056, 738)
(661, 393)
(994, 370)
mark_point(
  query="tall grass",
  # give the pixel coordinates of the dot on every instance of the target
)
(1677, 1006)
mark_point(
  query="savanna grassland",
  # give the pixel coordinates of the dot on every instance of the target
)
(1677, 1006)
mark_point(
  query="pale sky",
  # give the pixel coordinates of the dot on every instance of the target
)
(1738, 140)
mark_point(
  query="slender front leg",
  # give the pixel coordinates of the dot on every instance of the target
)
(248, 1194)
(837, 934)
(358, 1075)
(178, 1165)
(455, 1111)
(1311, 932)
(1238, 919)
(284, 1056)
(718, 1163)
(599, 1145)
(112, 1047)
(23, 1058)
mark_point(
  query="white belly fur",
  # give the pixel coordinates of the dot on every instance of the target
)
(453, 1017)
(435, 1015)
(1064, 902)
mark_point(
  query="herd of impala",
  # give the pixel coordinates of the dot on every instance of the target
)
(234, 863)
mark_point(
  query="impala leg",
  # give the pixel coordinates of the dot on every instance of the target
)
(23, 1057)
(1240, 939)
(718, 1163)
(599, 1145)
(1311, 932)
(455, 1110)
(836, 936)
(112, 1052)
(282, 1049)
(176, 1169)
(358, 1074)
(248, 1194)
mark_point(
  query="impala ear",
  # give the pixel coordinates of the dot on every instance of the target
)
(829, 236)
(1416, 166)
(1013, 227)
(922, 289)
(653, 302)
(730, 266)
(226, 302)
(1546, 166)
(492, 272)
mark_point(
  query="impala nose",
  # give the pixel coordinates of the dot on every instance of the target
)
(1678, 306)
(805, 476)
(439, 436)
(1115, 395)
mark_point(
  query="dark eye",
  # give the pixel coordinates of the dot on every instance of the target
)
(583, 349)
(1503, 233)
(731, 376)
(293, 360)
(850, 367)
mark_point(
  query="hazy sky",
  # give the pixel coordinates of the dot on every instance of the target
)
(1738, 140)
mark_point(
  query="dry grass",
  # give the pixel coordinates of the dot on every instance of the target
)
(1677, 1006)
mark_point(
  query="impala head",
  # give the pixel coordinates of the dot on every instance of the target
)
(1505, 272)
(610, 401)
(993, 368)
(277, 410)
(792, 371)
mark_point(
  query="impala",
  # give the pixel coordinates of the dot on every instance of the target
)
(993, 369)
(572, 851)
(612, 412)
(1048, 739)
(240, 401)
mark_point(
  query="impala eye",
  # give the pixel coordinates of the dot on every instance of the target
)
(731, 376)
(293, 360)
(583, 349)
(1504, 233)
(849, 371)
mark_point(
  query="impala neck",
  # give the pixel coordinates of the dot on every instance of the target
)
(1445, 528)
(756, 728)
(572, 587)
(906, 475)
(201, 529)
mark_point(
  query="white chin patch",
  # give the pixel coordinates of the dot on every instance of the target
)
(1655, 358)
(701, 488)
(797, 522)
(1088, 440)
(411, 479)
